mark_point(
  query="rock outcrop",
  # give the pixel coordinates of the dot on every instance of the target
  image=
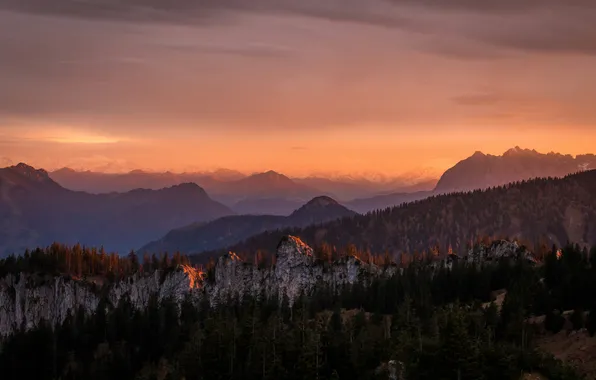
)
(296, 272)
(498, 250)
(27, 300)
(483, 254)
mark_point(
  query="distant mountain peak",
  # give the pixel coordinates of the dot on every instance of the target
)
(478, 154)
(30, 172)
(272, 174)
(188, 186)
(65, 170)
(269, 178)
(515, 164)
(322, 205)
(517, 151)
(321, 201)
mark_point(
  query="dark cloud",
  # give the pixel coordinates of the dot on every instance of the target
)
(533, 25)
(496, 6)
(574, 32)
(254, 51)
(358, 10)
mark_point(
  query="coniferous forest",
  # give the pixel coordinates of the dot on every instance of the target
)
(536, 211)
(424, 323)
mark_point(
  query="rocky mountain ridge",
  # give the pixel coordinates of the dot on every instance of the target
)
(481, 171)
(27, 300)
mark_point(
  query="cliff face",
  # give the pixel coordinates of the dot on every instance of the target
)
(27, 300)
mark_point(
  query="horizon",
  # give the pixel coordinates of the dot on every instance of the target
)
(424, 175)
(298, 87)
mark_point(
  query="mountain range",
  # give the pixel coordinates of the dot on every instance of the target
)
(272, 193)
(229, 230)
(261, 193)
(36, 211)
(481, 170)
(539, 212)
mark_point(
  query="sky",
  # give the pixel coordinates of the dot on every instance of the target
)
(297, 86)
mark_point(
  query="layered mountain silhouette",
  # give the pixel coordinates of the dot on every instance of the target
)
(36, 211)
(349, 189)
(265, 193)
(261, 193)
(95, 182)
(267, 206)
(228, 230)
(481, 170)
(272, 193)
(364, 205)
(540, 212)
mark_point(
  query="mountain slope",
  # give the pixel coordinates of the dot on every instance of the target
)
(353, 188)
(268, 193)
(482, 171)
(35, 210)
(267, 206)
(95, 182)
(269, 185)
(261, 193)
(228, 230)
(379, 202)
(541, 211)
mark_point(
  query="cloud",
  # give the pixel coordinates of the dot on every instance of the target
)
(99, 163)
(183, 67)
(5, 162)
(540, 25)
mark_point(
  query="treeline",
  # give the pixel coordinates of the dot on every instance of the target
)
(536, 211)
(81, 262)
(423, 324)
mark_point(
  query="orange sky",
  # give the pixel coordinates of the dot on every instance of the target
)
(296, 86)
(337, 152)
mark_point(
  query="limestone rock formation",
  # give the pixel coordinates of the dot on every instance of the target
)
(498, 250)
(27, 300)
(483, 254)
(296, 272)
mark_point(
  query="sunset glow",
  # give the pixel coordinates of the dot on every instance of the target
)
(76, 138)
(310, 87)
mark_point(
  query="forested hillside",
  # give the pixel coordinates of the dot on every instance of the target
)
(425, 323)
(539, 212)
(229, 230)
